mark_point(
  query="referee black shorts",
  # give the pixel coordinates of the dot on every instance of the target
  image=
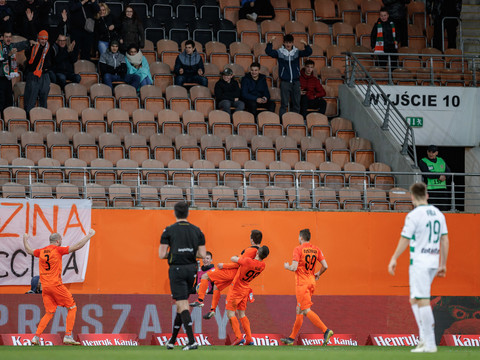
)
(182, 279)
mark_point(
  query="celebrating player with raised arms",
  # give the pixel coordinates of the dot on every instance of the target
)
(305, 257)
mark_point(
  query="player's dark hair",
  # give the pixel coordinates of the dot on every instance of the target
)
(255, 64)
(256, 236)
(263, 252)
(190, 42)
(288, 38)
(309, 62)
(209, 253)
(384, 9)
(305, 234)
(181, 210)
(419, 190)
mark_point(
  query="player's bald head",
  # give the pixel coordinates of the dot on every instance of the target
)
(55, 237)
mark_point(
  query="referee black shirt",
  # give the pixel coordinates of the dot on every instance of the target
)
(183, 239)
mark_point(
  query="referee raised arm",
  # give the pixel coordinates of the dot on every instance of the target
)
(182, 243)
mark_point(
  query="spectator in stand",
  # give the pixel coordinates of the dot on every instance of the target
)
(31, 17)
(137, 64)
(397, 10)
(255, 92)
(227, 92)
(64, 58)
(82, 12)
(35, 286)
(39, 62)
(8, 68)
(131, 30)
(252, 9)
(189, 66)
(383, 39)
(312, 91)
(289, 71)
(114, 68)
(105, 28)
(6, 17)
(438, 10)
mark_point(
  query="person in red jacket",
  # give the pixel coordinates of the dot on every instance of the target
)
(311, 90)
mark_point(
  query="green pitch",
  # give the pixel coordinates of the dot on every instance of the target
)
(231, 353)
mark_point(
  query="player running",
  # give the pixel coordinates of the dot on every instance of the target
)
(54, 292)
(239, 291)
(305, 258)
(426, 230)
(224, 275)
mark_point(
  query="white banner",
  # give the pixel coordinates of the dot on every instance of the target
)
(39, 218)
(444, 116)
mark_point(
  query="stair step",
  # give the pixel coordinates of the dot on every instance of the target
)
(470, 24)
(470, 2)
(470, 16)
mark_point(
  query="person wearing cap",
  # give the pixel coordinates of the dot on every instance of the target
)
(227, 92)
(436, 184)
(113, 67)
(255, 92)
(39, 62)
(189, 66)
(288, 71)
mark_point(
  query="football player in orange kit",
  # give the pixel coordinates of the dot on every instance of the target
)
(54, 292)
(224, 275)
(238, 293)
(305, 257)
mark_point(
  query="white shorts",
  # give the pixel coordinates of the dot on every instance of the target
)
(420, 281)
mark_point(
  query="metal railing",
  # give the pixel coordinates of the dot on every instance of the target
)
(392, 120)
(242, 188)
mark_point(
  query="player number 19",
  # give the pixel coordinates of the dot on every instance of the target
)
(434, 231)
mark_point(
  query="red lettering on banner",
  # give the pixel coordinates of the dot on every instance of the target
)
(263, 340)
(20, 206)
(336, 340)
(460, 340)
(37, 210)
(73, 211)
(108, 339)
(392, 340)
(182, 339)
(26, 339)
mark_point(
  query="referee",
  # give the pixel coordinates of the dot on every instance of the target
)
(186, 243)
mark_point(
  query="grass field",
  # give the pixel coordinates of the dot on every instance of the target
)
(232, 353)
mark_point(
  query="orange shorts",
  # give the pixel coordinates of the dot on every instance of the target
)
(236, 300)
(57, 296)
(304, 294)
(222, 278)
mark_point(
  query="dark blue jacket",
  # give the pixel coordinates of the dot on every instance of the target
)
(189, 63)
(252, 90)
(288, 61)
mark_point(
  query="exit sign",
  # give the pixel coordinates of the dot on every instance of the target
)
(415, 121)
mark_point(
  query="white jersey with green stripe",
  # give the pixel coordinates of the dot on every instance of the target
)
(424, 226)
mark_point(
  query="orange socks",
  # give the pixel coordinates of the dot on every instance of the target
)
(236, 327)
(296, 326)
(43, 323)
(316, 320)
(72, 312)
(202, 289)
(215, 298)
(246, 326)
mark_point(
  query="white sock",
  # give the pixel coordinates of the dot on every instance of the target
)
(416, 314)
(428, 325)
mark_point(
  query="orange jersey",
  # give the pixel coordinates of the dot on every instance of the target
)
(249, 269)
(307, 256)
(50, 264)
(249, 252)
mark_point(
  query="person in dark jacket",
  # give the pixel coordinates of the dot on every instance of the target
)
(255, 92)
(105, 28)
(312, 91)
(383, 39)
(250, 9)
(131, 30)
(398, 13)
(114, 68)
(6, 17)
(288, 70)
(438, 10)
(35, 286)
(189, 66)
(31, 16)
(227, 92)
(64, 58)
(80, 11)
